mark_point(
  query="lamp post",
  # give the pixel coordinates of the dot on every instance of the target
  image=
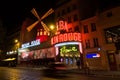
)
(17, 44)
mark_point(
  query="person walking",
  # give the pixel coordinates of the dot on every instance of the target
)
(87, 69)
(78, 64)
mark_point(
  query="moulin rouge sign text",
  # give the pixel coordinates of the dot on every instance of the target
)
(66, 37)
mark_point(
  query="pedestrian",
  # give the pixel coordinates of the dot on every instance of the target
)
(87, 69)
(78, 64)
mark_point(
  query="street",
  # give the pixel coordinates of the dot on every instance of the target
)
(9, 73)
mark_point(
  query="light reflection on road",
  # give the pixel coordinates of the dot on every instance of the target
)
(28, 74)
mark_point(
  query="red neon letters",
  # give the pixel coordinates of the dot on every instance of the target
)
(66, 37)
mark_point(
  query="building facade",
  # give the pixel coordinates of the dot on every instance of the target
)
(100, 33)
(97, 42)
(79, 35)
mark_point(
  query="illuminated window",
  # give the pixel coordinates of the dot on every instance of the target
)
(112, 34)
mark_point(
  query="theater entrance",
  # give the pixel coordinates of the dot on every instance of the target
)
(69, 54)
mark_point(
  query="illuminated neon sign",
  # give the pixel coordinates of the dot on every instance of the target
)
(30, 44)
(93, 55)
(62, 25)
(66, 37)
(69, 50)
(66, 50)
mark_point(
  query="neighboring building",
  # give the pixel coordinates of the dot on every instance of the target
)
(2, 37)
(11, 45)
(100, 33)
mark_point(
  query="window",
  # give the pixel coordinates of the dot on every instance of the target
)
(63, 12)
(69, 20)
(75, 17)
(87, 43)
(58, 14)
(109, 14)
(74, 6)
(95, 41)
(85, 28)
(93, 27)
(68, 9)
(76, 29)
(110, 37)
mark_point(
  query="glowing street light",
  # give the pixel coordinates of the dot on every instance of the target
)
(52, 27)
(16, 41)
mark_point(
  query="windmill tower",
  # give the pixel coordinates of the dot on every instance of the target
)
(34, 12)
(42, 34)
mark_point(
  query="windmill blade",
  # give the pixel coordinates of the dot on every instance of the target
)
(47, 13)
(29, 28)
(34, 12)
(45, 27)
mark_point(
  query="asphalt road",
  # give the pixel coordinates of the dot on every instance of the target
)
(9, 73)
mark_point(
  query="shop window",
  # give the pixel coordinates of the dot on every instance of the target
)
(95, 41)
(93, 27)
(85, 28)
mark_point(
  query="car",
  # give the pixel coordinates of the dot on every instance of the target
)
(56, 69)
(57, 66)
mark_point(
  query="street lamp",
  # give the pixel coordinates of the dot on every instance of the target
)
(52, 27)
(16, 41)
(52, 30)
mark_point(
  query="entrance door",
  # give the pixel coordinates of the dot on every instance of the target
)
(112, 61)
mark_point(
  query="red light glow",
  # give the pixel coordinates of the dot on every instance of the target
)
(66, 37)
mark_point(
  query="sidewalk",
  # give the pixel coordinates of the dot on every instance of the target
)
(99, 73)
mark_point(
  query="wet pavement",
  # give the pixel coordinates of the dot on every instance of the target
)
(22, 73)
(76, 71)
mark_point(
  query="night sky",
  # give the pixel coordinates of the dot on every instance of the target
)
(13, 12)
